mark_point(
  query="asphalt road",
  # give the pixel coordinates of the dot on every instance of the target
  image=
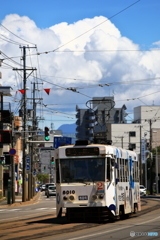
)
(146, 226)
(38, 221)
(43, 205)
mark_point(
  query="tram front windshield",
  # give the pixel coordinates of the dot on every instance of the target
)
(82, 170)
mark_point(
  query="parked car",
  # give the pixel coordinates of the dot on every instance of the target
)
(143, 190)
(51, 191)
(46, 187)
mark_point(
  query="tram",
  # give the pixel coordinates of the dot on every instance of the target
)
(96, 181)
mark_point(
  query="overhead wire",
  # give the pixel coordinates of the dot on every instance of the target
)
(55, 50)
(16, 35)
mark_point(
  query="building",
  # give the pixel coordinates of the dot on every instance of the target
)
(91, 122)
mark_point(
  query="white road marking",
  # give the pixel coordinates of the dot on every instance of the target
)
(113, 230)
(13, 209)
(23, 210)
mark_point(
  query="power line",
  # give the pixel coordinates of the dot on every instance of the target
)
(16, 35)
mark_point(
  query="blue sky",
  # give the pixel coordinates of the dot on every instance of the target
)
(50, 24)
(139, 22)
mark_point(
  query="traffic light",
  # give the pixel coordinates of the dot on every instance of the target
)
(52, 160)
(2, 160)
(46, 134)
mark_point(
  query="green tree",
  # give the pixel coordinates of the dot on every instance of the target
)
(42, 177)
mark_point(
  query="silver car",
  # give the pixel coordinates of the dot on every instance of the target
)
(51, 191)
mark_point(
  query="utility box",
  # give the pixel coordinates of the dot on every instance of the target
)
(5, 91)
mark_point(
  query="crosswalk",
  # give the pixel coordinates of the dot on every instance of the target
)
(23, 210)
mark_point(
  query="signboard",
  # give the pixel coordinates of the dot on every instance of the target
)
(143, 150)
(90, 151)
(28, 160)
(12, 151)
(27, 167)
(60, 141)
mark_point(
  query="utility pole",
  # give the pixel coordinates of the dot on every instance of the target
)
(121, 140)
(24, 195)
(151, 155)
(140, 154)
(151, 160)
(24, 126)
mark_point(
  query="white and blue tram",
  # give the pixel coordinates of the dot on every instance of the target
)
(96, 181)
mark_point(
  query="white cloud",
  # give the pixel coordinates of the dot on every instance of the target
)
(89, 66)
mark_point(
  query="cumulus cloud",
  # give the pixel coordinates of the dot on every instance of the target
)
(101, 55)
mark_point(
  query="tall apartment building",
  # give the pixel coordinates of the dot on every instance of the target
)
(92, 121)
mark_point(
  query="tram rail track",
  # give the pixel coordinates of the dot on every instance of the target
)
(46, 225)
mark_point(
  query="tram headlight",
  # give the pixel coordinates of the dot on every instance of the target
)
(71, 197)
(94, 197)
(65, 198)
(101, 196)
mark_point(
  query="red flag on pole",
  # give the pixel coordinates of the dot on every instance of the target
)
(22, 91)
(47, 90)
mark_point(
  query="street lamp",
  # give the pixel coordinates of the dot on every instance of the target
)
(156, 165)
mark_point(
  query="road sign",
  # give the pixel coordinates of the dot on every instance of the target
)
(28, 159)
(59, 141)
(27, 167)
(12, 151)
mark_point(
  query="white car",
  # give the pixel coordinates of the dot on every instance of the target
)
(143, 190)
(43, 187)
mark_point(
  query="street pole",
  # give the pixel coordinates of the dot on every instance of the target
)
(141, 177)
(156, 165)
(24, 193)
(12, 165)
(156, 172)
(151, 158)
(24, 126)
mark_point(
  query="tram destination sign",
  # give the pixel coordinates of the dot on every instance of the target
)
(91, 151)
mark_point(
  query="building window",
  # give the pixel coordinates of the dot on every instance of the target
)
(132, 134)
(132, 146)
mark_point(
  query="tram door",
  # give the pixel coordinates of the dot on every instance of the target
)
(131, 183)
(110, 182)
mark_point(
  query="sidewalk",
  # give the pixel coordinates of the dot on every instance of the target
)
(18, 201)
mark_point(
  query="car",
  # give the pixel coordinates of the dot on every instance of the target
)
(46, 187)
(51, 191)
(143, 190)
(42, 187)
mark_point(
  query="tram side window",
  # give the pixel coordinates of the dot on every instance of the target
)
(108, 169)
(57, 172)
(126, 170)
(118, 169)
(133, 164)
(137, 172)
(121, 170)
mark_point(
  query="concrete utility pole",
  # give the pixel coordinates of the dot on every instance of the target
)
(24, 192)
(151, 155)
(140, 155)
(24, 126)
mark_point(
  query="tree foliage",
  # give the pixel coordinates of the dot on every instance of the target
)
(42, 177)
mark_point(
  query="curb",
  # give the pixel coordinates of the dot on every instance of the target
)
(34, 200)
